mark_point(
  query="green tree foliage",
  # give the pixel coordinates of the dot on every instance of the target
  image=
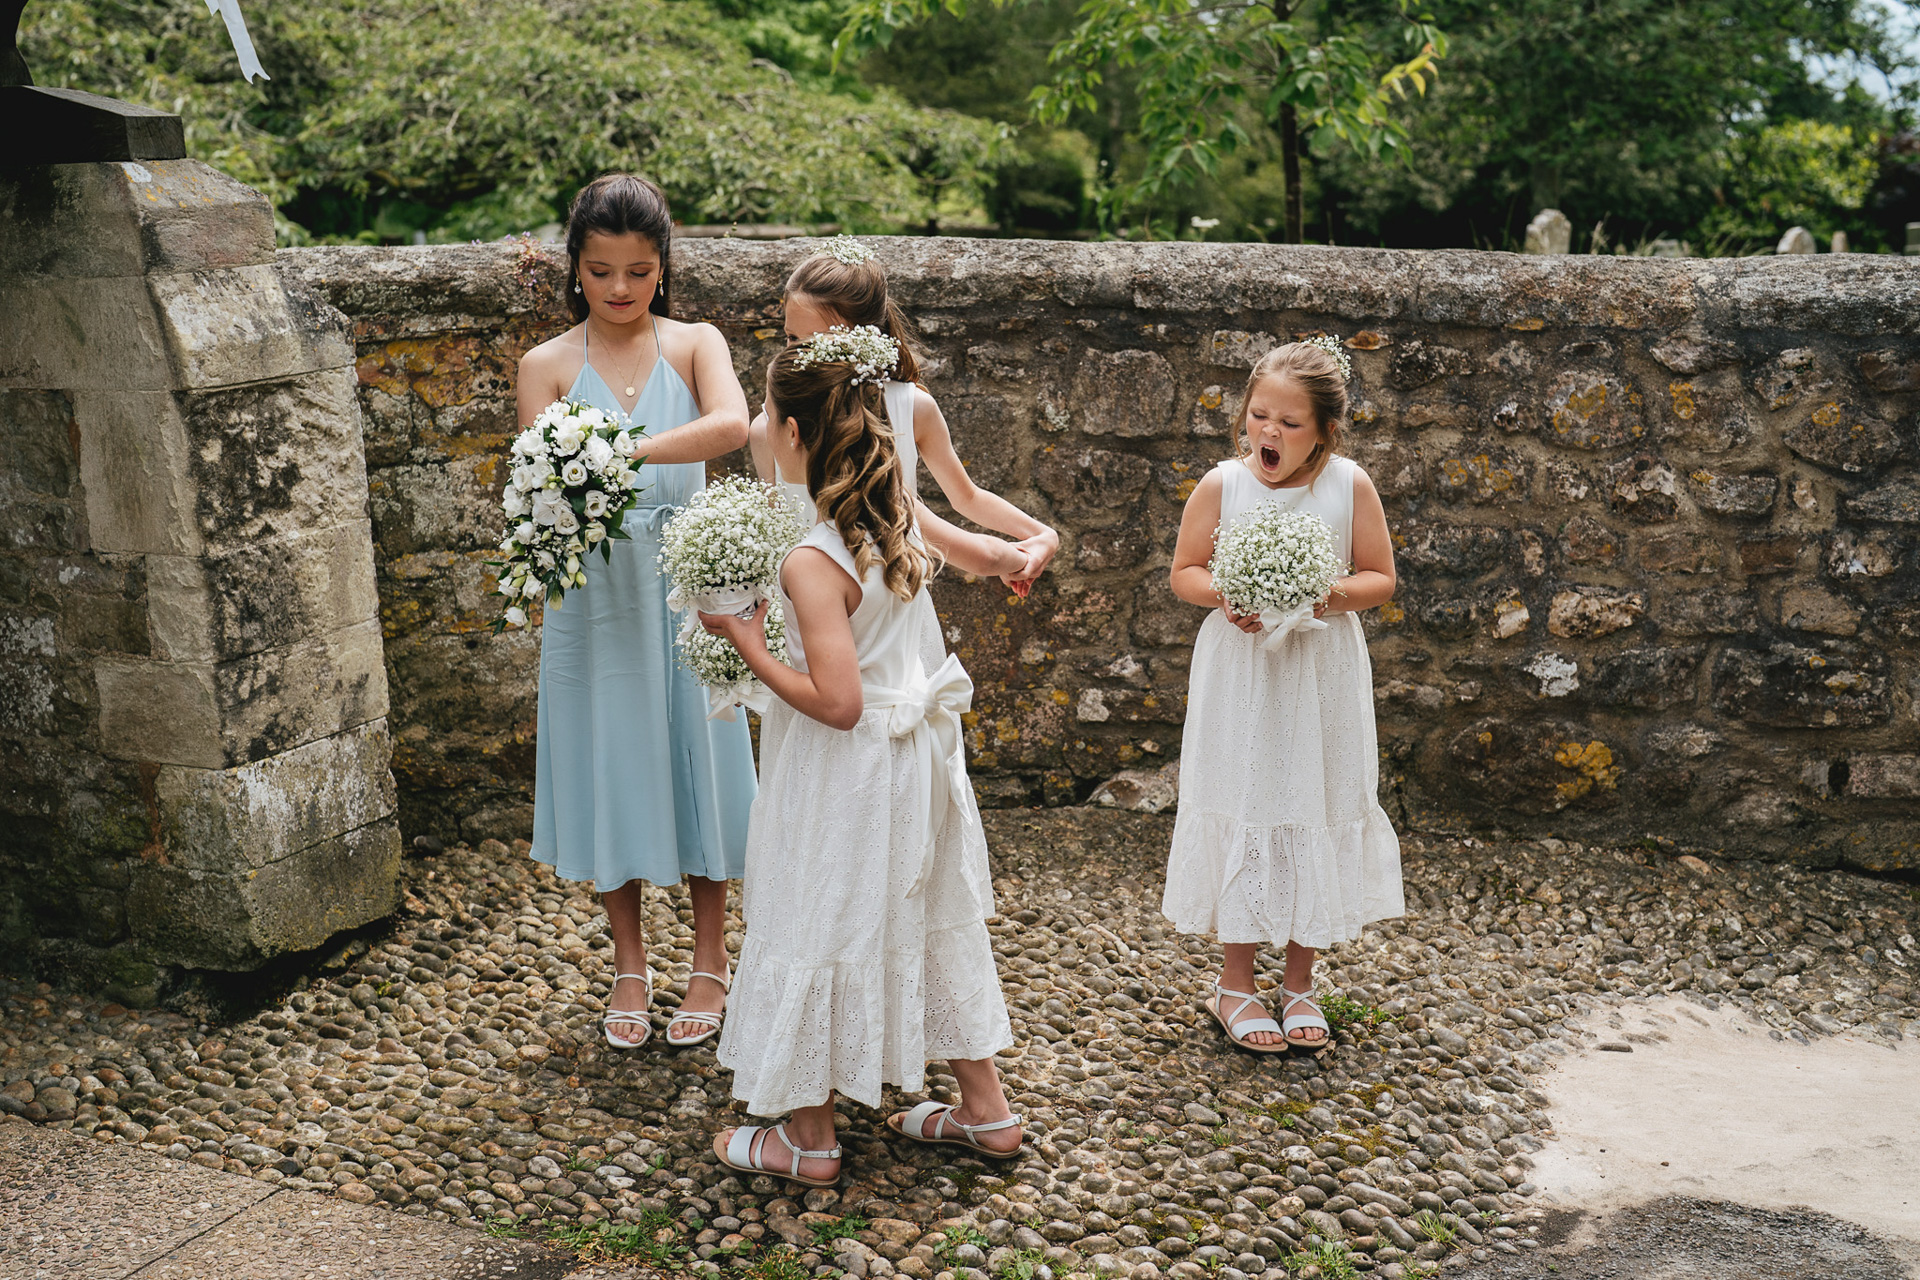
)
(1806, 173)
(1633, 113)
(468, 118)
(1202, 67)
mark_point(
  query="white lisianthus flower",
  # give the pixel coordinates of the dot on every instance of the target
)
(525, 532)
(531, 443)
(596, 505)
(566, 522)
(594, 418)
(507, 587)
(597, 451)
(623, 444)
(595, 533)
(547, 506)
(544, 559)
(514, 502)
(574, 473)
(530, 588)
(516, 616)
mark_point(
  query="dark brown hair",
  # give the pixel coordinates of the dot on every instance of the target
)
(857, 293)
(618, 204)
(1317, 373)
(853, 465)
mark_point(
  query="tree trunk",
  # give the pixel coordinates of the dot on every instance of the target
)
(1290, 170)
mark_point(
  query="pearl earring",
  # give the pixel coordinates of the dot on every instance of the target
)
(576, 286)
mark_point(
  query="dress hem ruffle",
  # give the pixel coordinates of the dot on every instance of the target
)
(1282, 882)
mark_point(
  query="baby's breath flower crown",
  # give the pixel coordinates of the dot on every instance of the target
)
(873, 355)
(1331, 345)
(846, 249)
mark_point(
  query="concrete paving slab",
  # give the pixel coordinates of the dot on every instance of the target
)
(72, 1207)
(75, 1208)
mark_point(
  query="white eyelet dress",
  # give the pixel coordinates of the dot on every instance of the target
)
(867, 889)
(1280, 835)
(898, 397)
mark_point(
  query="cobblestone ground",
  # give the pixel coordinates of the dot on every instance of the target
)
(453, 1067)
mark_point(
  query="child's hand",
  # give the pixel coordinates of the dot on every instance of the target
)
(1247, 622)
(1040, 550)
(746, 634)
(1020, 580)
(1336, 601)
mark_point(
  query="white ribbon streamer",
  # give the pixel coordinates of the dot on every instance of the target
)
(1275, 624)
(751, 694)
(229, 11)
(929, 714)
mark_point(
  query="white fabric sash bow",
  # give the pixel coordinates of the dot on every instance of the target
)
(1276, 623)
(929, 714)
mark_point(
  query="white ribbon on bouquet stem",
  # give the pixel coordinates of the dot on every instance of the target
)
(1275, 624)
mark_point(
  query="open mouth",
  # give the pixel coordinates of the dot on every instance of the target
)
(1269, 457)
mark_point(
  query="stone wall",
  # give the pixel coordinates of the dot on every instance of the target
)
(1656, 520)
(193, 742)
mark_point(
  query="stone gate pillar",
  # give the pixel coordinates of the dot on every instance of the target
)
(193, 737)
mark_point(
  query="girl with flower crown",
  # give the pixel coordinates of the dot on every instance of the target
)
(844, 285)
(867, 888)
(1280, 837)
(632, 782)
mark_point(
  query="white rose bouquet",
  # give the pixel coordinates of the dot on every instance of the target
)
(1277, 564)
(572, 481)
(721, 553)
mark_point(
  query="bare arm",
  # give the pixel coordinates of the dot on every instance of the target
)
(722, 425)
(823, 597)
(760, 451)
(987, 509)
(974, 553)
(1190, 578)
(1373, 580)
(539, 383)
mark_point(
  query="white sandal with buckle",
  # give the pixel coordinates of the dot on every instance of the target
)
(1239, 1031)
(641, 1017)
(741, 1154)
(949, 1132)
(711, 1021)
(1291, 1023)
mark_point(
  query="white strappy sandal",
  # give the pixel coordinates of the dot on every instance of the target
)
(746, 1152)
(711, 1021)
(1291, 1023)
(949, 1132)
(1238, 1031)
(636, 1017)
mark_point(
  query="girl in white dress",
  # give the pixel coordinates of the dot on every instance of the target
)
(867, 889)
(1280, 837)
(843, 284)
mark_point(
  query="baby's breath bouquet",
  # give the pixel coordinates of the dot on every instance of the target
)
(573, 480)
(721, 553)
(1278, 564)
(729, 681)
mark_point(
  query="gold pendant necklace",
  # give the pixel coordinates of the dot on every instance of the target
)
(630, 392)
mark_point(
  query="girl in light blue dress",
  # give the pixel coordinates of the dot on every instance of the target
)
(632, 782)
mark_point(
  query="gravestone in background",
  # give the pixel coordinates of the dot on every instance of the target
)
(194, 760)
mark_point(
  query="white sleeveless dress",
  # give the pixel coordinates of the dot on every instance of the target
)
(867, 889)
(899, 401)
(1280, 835)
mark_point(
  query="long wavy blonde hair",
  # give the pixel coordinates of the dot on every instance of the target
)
(853, 465)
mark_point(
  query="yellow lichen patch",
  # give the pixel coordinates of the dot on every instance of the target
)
(1367, 340)
(1527, 324)
(1364, 415)
(1844, 681)
(1211, 398)
(1592, 764)
(1391, 613)
(1681, 393)
(1184, 490)
(1006, 731)
(1828, 415)
(761, 335)
(1484, 738)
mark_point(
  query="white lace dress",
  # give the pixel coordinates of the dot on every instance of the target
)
(867, 890)
(1280, 835)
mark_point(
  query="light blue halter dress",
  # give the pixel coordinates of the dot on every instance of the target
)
(631, 780)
